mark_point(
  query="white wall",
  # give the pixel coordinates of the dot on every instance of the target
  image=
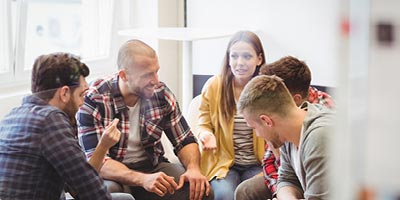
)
(307, 29)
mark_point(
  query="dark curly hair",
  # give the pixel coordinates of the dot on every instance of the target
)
(55, 70)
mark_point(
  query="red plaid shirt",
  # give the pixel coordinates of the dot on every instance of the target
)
(158, 114)
(270, 163)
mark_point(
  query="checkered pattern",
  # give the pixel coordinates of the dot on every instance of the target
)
(104, 102)
(39, 153)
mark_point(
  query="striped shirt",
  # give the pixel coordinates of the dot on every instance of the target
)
(158, 114)
(243, 142)
(39, 154)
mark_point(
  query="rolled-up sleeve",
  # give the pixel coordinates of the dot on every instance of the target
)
(89, 126)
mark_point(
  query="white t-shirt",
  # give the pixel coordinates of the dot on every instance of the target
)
(295, 160)
(135, 151)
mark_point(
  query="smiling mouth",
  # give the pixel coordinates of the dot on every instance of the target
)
(241, 71)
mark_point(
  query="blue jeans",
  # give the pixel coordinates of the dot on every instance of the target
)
(224, 189)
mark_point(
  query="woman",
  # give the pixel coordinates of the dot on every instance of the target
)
(231, 151)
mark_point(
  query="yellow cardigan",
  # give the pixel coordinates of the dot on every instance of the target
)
(211, 120)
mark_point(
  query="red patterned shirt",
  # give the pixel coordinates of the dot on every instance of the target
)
(158, 114)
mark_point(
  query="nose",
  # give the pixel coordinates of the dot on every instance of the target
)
(240, 60)
(155, 79)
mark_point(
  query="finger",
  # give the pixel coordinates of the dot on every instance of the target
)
(159, 192)
(171, 180)
(202, 188)
(169, 183)
(161, 186)
(181, 182)
(192, 186)
(208, 188)
(113, 124)
(197, 191)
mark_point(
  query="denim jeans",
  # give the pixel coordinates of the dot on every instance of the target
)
(224, 189)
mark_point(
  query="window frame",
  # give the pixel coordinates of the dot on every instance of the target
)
(8, 75)
(17, 74)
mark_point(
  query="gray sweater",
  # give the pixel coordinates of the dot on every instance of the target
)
(313, 155)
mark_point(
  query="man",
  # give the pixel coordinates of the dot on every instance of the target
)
(297, 78)
(39, 153)
(268, 106)
(146, 108)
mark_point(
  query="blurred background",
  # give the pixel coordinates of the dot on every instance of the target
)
(352, 48)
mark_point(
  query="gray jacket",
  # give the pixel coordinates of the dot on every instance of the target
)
(313, 155)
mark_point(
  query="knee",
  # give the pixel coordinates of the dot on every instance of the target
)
(242, 192)
(223, 193)
(121, 196)
(113, 186)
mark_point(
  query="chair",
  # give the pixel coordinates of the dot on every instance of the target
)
(191, 117)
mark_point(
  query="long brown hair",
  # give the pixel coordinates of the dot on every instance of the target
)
(227, 103)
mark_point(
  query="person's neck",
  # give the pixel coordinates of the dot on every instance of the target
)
(295, 124)
(129, 98)
(240, 83)
(238, 86)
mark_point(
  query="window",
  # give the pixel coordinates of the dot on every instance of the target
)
(5, 37)
(81, 27)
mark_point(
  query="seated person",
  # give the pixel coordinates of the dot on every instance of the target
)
(231, 151)
(39, 153)
(146, 109)
(297, 78)
(301, 133)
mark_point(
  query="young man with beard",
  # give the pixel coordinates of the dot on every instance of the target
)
(39, 152)
(146, 109)
(301, 132)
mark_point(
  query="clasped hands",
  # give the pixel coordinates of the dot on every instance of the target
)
(160, 183)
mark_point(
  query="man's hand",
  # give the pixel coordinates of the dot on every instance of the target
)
(111, 135)
(208, 141)
(197, 182)
(159, 183)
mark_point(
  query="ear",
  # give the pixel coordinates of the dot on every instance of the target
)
(265, 119)
(122, 75)
(64, 94)
(260, 59)
(298, 99)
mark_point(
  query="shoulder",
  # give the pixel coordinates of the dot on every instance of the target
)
(162, 91)
(212, 84)
(103, 87)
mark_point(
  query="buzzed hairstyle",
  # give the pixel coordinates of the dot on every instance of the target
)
(130, 49)
(295, 74)
(55, 70)
(265, 94)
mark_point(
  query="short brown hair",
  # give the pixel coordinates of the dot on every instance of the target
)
(265, 94)
(55, 70)
(295, 74)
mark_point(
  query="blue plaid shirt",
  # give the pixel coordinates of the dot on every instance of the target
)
(39, 154)
(158, 114)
